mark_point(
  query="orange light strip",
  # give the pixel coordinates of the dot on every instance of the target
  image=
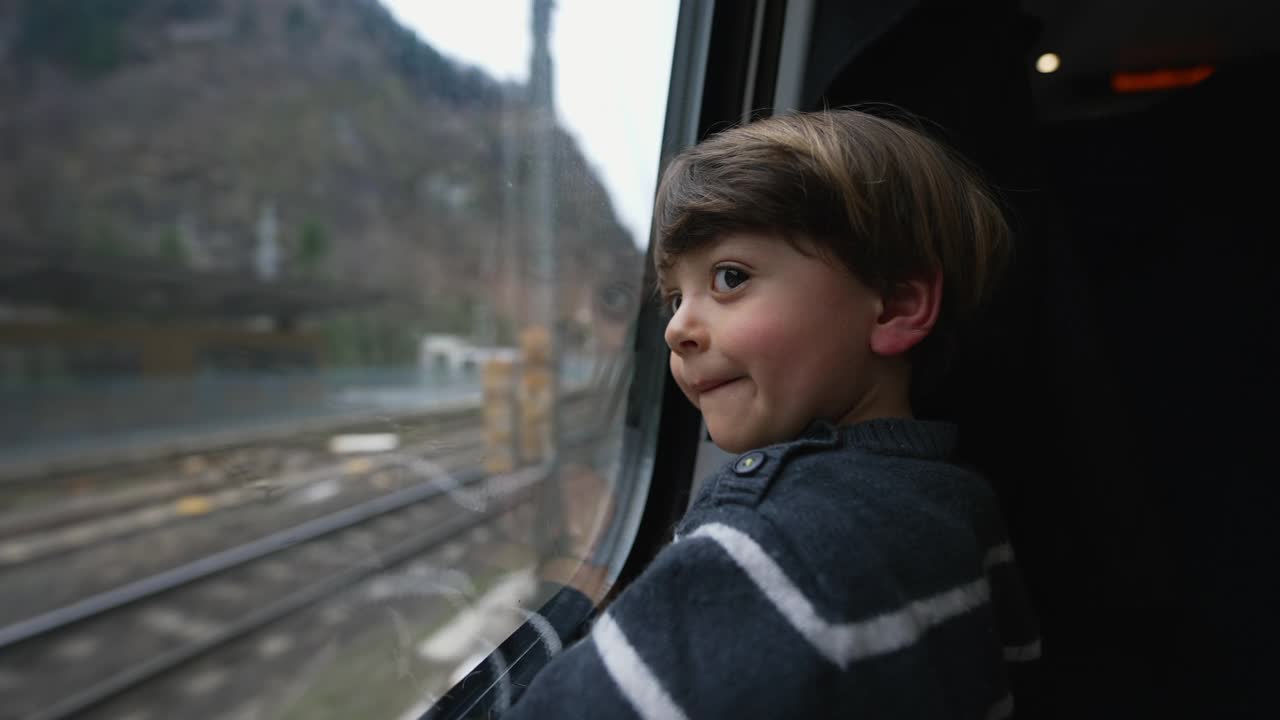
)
(1130, 82)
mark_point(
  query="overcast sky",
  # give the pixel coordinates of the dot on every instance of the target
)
(612, 66)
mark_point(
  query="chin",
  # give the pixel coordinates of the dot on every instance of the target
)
(732, 443)
(728, 447)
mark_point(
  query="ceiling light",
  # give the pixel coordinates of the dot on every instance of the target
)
(1048, 63)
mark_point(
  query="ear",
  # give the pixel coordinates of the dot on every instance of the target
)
(909, 310)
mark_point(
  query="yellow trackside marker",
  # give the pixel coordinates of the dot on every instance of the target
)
(357, 466)
(194, 505)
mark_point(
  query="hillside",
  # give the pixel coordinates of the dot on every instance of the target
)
(311, 141)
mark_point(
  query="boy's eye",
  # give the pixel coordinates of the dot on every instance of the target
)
(673, 303)
(727, 279)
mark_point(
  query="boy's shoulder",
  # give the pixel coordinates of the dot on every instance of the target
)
(883, 461)
(876, 505)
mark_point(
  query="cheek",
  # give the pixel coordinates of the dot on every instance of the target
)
(797, 356)
(767, 342)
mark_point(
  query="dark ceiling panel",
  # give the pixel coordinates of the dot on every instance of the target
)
(1102, 37)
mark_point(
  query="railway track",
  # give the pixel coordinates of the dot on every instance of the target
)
(173, 470)
(152, 507)
(157, 624)
(39, 503)
(188, 591)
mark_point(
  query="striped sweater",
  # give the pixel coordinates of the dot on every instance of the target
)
(854, 572)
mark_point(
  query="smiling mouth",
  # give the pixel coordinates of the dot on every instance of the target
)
(712, 386)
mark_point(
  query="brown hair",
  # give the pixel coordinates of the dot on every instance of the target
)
(881, 197)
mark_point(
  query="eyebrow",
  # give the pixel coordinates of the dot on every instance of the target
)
(660, 288)
(664, 272)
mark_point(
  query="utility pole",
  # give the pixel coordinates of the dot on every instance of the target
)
(509, 256)
(542, 211)
(545, 276)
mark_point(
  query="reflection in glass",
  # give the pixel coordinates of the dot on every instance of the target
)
(313, 340)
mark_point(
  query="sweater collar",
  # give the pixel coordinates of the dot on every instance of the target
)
(927, 439)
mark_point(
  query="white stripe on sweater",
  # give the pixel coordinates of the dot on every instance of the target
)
(998, 555)
(550, 638)
(632, 675)
(842, 643)
(503, 687)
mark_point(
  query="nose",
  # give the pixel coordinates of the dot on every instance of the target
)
(686, 333)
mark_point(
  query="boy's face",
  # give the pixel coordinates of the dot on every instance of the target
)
(764, 339)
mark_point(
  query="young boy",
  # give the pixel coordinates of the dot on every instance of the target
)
(841, 566)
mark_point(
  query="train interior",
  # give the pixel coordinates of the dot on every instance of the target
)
(1120, 395)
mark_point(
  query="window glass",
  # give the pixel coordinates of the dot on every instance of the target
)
(315, 331)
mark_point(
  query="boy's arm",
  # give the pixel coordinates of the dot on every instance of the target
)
(691, 637)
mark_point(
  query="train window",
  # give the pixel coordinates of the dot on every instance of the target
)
(316, 331)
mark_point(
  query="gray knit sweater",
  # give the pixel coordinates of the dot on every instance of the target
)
(854, 572)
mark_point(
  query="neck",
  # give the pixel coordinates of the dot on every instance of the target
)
(888, 397)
